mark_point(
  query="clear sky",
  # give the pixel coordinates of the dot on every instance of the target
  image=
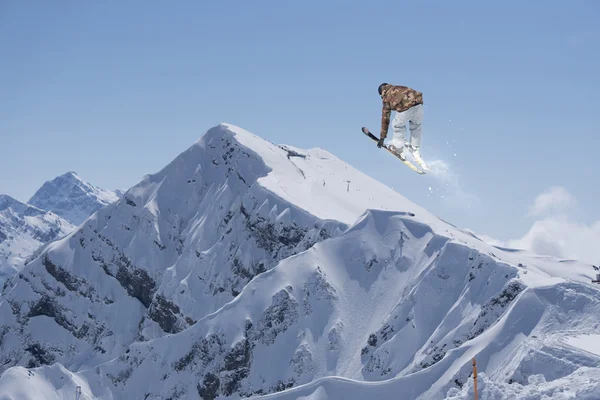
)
(115, 90)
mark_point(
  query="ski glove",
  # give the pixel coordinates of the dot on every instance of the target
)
(380, 142)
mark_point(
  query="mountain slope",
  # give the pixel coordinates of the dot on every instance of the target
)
(245, 268)
(391, 300)
(23, 230)
(72, 198)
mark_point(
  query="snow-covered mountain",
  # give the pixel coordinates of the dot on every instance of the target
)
(72, 198)
(23, 230)
(245, 268)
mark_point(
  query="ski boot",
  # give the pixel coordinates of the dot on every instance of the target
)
(398, 152)
(414, 150)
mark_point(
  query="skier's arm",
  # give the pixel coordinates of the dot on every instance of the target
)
(385, 120)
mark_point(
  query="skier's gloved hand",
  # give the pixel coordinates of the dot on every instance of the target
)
(380, 143)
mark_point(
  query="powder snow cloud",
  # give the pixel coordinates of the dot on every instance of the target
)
(557, 231)
(555, 200)
(449, 187)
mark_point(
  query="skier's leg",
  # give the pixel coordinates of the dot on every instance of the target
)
(416, 135)
(399, 127)
(416, 126)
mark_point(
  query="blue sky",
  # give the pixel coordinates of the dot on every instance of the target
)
(115, 90)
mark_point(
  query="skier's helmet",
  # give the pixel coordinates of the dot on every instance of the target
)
(380, 89)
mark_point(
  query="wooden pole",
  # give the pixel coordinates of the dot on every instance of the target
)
(475, 377)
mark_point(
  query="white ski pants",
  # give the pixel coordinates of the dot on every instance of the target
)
(414, 117)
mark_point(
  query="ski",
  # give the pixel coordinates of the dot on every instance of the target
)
(404, 160)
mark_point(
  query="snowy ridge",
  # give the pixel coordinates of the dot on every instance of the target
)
(230, 274)
(72, 198)
(23, 230)
(390, 298)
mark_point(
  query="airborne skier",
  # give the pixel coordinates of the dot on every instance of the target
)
(408, 105)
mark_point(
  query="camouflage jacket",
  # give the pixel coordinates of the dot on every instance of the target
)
(397, 98)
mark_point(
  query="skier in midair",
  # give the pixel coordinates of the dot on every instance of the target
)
(408, 105)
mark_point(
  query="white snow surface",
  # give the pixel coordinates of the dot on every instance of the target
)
(589, 343)
(72, 198)
(244, 268)
(23, 230)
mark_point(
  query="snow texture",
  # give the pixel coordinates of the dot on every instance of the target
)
(248, 269)
(72, 198)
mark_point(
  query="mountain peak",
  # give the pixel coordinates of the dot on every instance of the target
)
(71, 175)
(71, 197)
(17, 206)
(6, 201)
(308, 177)
(69, 178)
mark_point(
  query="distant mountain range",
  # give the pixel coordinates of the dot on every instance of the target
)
(72, 198)
(54, 211)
